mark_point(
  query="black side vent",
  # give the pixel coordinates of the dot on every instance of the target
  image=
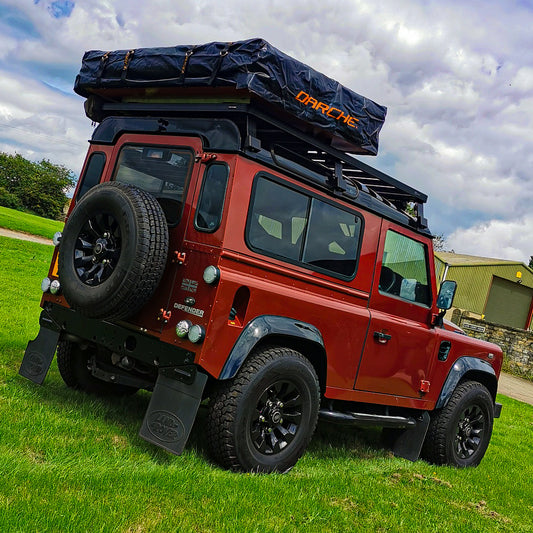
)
(444, 350)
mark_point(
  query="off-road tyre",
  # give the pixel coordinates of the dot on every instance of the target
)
(113, 251)
(460, 432)
(73, 362)
(238, 439)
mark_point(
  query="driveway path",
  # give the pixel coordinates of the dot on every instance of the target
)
(517, 388)
(23, 236)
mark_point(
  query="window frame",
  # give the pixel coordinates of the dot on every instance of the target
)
(309, 195)
(424, 246)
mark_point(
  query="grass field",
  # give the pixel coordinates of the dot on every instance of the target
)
(71, 462)
(19, 221)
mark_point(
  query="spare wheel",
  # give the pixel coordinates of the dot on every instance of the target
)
(113, 251)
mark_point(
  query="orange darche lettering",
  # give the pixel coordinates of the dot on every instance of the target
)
(327, 110)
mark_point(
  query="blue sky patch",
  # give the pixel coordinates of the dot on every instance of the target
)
(59, 8)
(14, 23)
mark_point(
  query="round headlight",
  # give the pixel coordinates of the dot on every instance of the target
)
(182, 328)
(45, 284)
(196, 334)
(56, 239)
(55, 286)
(211, 274)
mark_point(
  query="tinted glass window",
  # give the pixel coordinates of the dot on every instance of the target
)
(163, 172)
(211, 201)
(92, 174)
(332, 238)
(292, 225)
(404, 271)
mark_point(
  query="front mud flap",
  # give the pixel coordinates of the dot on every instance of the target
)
(408, 442)
(38, 355)
(172, 410)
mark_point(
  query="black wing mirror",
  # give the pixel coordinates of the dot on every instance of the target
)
(446, 294)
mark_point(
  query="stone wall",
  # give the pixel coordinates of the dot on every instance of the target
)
(517, 344)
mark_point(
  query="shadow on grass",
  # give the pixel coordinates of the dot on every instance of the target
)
(125, 414)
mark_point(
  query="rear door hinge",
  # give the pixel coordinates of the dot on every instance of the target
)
(207, 158)
(164, 316)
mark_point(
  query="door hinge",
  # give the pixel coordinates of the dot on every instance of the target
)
(424, 386)
(164, 316)
(207, 158)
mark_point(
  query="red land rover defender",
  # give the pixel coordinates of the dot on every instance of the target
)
(217, 249)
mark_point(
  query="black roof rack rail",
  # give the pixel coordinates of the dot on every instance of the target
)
(262, 130)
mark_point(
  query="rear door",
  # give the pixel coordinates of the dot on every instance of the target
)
(401, 342)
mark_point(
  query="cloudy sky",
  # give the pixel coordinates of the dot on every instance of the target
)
(455, 75)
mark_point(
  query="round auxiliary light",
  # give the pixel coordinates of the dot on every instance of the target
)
(196, 334)
(182, 328)
(211, 275)
(55, 286)
(56, 239)
(45, 284)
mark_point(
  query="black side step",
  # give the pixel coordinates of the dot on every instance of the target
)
(407, 441)
(172, 410)
(365, 419)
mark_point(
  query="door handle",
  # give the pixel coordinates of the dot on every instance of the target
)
(381, 337)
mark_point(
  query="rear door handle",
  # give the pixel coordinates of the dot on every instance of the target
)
(381, 337)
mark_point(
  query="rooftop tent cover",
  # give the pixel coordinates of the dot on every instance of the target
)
(352, 121)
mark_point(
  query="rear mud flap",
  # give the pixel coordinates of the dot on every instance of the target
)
(38, 355)
(408, 443)
(172, 410)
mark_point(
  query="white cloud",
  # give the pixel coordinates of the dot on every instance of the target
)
(497, 238)
(456, 76)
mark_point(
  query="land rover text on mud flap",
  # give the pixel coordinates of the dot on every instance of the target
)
(223, 244)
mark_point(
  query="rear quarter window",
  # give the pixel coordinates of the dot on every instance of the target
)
(303, 229)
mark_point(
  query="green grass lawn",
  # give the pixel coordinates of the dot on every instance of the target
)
(19, 221)
(71, 462)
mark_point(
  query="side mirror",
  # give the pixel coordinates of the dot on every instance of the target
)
(446, 294)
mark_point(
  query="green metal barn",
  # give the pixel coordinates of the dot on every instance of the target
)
(497, 290)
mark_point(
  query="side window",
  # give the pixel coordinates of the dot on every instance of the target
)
(404, 271)
(277, 219)
(333, 236)
(211, 200)
(92, 174)
(303, 229)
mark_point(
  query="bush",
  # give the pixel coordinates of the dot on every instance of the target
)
(39, 187)
(8, 199)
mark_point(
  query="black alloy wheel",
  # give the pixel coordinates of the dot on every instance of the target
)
(469, 431)
(263, 419)
(97, 249)
(278, 416)
(460, 432)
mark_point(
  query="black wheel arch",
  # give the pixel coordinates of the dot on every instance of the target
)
(468, 369)
(282, 331)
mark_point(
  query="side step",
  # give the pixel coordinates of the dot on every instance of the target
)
(408, 438)
(366, 420)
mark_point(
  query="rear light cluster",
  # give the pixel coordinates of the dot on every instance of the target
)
(194, 332)
(185, 328)
(48, 285)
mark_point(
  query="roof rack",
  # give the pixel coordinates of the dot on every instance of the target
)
(262, 130)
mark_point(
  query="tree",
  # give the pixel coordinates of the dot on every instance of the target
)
(530, 262)
(38, 187)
